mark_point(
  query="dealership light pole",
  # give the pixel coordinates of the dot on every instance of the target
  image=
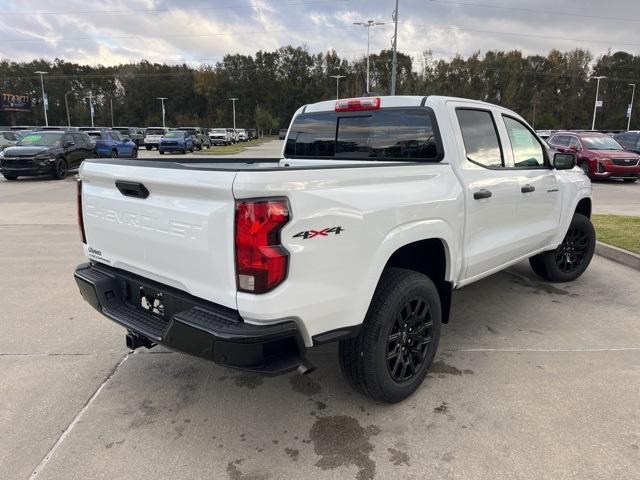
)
(44, 98)
(394, 61)
(338, 77)
(368, 24)
(633, 91)
(66, 104)
(90, 97)
(162, 99)
(595, 106)
(234, 100)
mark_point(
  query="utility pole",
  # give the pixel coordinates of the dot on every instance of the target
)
(631, 104)
(66, 104)
(162, 99)
(90, 97)
(45, 102)
(338, 77)
(233, 100)
(394, 62)
(111, 105)
(368, 24)
(595, 106)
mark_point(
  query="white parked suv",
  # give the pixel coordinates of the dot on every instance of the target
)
(377, 210)
(242, 135)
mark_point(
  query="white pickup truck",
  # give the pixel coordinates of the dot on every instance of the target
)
(377, 210)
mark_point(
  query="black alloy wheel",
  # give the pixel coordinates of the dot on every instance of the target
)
(573, 251)
(409, 339)
(114, 154)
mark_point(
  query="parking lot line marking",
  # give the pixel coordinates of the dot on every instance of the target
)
(550, 350)
(76, 419)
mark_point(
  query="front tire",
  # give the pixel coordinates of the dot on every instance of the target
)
(11, 178)
(60, 169)
(572, 257)
(161, 152)
(394, 350)
(148, 147)
(585, 168)
(134, 153)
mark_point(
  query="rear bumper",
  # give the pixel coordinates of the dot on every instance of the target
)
(189, 324)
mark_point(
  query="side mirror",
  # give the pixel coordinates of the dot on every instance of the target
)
(564, 161)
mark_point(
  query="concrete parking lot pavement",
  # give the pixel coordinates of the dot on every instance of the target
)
(616, 197)
(532, 381)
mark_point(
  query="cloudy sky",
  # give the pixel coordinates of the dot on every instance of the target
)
(202, 31)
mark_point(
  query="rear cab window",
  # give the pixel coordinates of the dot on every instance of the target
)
(480, 137)
(409, 134)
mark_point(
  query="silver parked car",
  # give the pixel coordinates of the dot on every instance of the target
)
(9, 138)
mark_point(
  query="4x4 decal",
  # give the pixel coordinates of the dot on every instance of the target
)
(319, 233)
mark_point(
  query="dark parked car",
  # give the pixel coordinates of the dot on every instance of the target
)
(282, 134)
(629, 140)
(176, 141)
(599, 155)
(135, 134)
(45, 152)
(252, 134)
(110, 143)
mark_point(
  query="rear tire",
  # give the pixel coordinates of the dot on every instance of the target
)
(134, 153)
(161, 152)
(572, 257)
(148, 147)
(11, 178)
(394, 350)
(114, 154)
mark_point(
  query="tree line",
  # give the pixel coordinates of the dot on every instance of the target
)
(553, 91)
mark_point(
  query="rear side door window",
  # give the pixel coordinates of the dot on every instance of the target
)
(480, 136)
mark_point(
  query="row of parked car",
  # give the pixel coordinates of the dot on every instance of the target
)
(56, 150)
(600, 155)
(148, 138)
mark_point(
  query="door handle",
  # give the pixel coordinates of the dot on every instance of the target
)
(528, 189)
(480, 194)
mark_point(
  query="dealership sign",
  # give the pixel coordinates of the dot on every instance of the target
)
(15, 103)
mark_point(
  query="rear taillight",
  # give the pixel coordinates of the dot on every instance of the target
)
(261, 260)
(79, 206)
(357, 104)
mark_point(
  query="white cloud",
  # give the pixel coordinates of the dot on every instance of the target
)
(196, 31)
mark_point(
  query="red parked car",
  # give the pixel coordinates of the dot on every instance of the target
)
(599, 155)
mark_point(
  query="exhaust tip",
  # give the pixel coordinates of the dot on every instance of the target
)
(305, 367)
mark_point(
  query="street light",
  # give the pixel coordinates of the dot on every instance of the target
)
(595, 106)
(90, 97)
(368, 24)
(162, 99)
(338, 77)
(44, 99)
(234, 100)
(631, 104)
(66, 104)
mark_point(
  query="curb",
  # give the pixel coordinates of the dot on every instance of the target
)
(619, 255)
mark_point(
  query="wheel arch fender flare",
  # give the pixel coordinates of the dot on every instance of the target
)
(406, 235)
(582, 198)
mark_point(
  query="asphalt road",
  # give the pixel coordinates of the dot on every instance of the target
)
(532, 381)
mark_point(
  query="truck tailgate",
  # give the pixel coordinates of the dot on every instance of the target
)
(181, 234)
